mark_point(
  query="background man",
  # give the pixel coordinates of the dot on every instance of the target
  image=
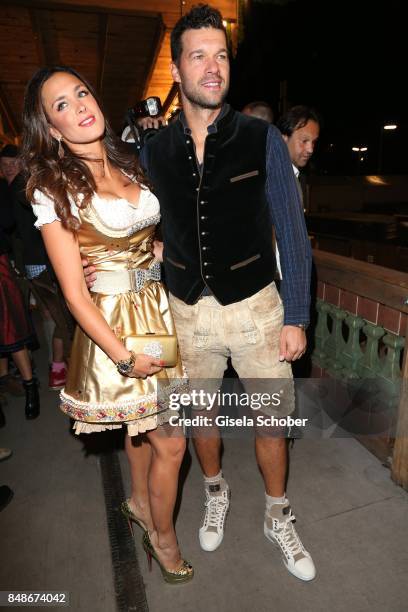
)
(300, 128)
(259, 109)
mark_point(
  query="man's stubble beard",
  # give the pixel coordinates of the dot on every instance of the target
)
(196, 100)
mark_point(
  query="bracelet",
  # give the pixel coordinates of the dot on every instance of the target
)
(125, 366)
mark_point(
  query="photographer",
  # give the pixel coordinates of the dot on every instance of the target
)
(142, 122)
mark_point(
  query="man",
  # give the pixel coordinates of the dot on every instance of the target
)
(220, 177)
(300, 129)
(259, 109)
(217, 201)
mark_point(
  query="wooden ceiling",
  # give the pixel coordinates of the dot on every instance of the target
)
(121, 46)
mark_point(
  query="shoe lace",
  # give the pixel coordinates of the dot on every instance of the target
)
(216, 508)
(288, 537)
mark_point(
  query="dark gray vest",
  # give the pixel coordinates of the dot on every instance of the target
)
(216, 227)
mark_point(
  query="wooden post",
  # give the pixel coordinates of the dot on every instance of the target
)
(399, 470)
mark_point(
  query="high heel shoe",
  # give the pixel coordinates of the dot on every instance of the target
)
(127, 512)
(183, 574)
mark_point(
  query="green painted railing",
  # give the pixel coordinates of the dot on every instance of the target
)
(361, 338)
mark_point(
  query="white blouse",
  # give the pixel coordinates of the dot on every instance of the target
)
(116, 214)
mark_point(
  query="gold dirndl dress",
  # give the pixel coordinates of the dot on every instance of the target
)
(96, 395)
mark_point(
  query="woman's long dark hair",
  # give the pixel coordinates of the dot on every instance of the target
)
(62, 178)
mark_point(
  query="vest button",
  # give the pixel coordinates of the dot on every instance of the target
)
(197, 189)
(202, 202)
(208, 276)
(194, 174)
(188, 141)
(203, 218)
(189, 157)
(204, 233)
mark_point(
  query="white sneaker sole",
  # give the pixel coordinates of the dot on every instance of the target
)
(221, 536)
(290, 569)
(208, 548)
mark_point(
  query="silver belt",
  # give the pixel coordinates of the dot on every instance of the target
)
(122, 281)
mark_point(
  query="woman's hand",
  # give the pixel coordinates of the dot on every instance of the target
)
(145, 366)
(158, 250)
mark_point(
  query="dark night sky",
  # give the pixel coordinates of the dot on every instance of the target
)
(346, 59)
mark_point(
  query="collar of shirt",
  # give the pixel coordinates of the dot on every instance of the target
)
(296, 170)
(213, 128)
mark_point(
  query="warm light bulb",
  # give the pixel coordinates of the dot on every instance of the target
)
(390, 126)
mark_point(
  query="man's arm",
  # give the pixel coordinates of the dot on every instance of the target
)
(293, 243)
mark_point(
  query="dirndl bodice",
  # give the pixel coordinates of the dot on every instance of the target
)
(118, 243)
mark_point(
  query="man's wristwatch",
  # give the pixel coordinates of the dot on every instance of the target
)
(125, 366)
(303, 326)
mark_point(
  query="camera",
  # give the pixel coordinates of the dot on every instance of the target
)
(151, 107)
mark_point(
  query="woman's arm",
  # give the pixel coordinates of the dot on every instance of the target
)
(63, 251)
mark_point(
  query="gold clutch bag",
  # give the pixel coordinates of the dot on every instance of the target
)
(159, 346)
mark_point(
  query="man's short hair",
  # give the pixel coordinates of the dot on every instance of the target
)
(259, 109)
(10, 151)
(200, 16)
(296, 118)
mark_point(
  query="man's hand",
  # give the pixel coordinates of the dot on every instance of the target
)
(150, 122)
(292, 343)
(89, 273)
(158, 250)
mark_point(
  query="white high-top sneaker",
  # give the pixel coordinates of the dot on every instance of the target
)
(279, 529)
(211, 532)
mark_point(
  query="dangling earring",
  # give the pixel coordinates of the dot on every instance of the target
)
(60, 148)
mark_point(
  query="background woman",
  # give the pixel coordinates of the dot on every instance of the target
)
(91, 199)
(16, 331)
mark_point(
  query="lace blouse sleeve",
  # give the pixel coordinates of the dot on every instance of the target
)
(44, 209)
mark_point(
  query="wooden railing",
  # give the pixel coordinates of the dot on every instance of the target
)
(362, 332)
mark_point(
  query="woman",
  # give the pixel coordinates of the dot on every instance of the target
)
(92, 200)
(16, 332)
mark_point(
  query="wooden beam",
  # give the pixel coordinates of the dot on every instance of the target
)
(102, 44)
(383, 285)
(156, 48)
(399, 469)
(4, 138)
(8, 113)
(45, 37)
(109, 8)
(170, 97)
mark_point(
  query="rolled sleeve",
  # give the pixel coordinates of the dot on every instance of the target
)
(287, 214)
